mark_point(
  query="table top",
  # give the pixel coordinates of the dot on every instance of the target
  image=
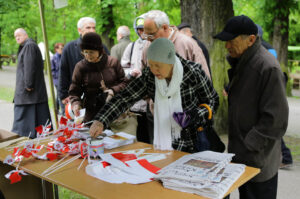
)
(91, 187)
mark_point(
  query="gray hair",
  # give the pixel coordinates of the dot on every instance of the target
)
(123, 31)
(85, 20)
(246, 36)
(21, 30)
(159, 17)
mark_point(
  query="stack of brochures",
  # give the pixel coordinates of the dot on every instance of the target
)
(117, 139)
(111, 140)
(209, 174)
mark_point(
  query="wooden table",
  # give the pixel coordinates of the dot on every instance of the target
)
(86, 185)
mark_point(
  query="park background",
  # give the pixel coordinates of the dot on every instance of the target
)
(278, 18)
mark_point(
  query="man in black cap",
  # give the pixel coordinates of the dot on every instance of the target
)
(257, 106)
(186, 29)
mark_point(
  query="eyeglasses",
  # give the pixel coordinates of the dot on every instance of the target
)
(150, 36)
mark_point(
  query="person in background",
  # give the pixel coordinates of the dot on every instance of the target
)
(132, 65)
(123, 34)
(287, 158)
(71, 55)
(265, 44)
(167, 80)
(97, 78)
(186, 29)
(257, 106)
(55, 63)
(31, 102)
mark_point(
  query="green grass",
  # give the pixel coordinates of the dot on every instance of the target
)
(6, 94)
(67, 194)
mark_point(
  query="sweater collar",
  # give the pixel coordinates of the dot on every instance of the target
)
(98, 65)
(126, 38)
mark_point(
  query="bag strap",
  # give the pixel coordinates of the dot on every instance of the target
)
(209, 115)
(131, 50)
(209, 110)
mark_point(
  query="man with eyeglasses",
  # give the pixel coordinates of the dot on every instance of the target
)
(71, 55)
(157, 25)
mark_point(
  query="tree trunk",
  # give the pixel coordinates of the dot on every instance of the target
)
(0, 49)
(281, 36)
(281, 31)
(207, 18)
(107, 15)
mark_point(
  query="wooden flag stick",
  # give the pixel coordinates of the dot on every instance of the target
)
(53, 165)
(64, 164)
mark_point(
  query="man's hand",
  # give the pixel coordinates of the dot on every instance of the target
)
(225, 94)
(66, 100)
(96, 128)
(76, 108)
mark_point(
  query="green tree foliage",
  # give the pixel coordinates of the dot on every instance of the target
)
(62, 23)
(263, 13)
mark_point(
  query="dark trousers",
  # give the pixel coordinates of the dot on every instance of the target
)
(150, 125)
(142, 134)
(29, 116)
(286, 153)
(260, 190)
(59, 105)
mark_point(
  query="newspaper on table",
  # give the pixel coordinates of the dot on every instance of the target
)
(207, 173)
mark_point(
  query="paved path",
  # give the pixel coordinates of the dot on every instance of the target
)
(289, 180)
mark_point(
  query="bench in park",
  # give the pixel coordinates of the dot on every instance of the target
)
(296, 80)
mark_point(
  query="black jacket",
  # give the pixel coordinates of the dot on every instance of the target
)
(205, 52)
(30, 75)
(258, 110)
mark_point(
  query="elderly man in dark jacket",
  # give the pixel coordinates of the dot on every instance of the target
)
(258, 109)
(72, 55)
(31, 102)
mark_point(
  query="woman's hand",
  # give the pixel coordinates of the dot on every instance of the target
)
(76, 108)
(66, 100)
(96, 128)
(110, 94)
(135, 72)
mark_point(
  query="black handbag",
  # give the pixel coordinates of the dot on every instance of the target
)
(207, 137)
(100, 99)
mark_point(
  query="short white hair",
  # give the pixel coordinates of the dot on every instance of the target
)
(123, 31)
(21, 30)
(159, 17)
(85, 20)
